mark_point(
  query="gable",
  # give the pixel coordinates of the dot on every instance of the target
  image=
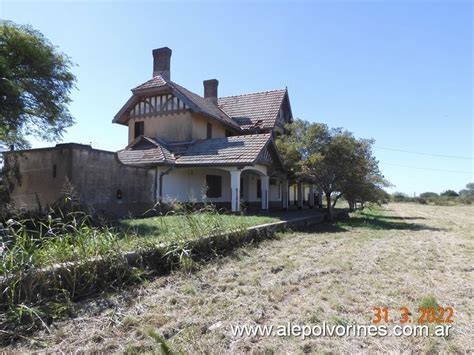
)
(159, 95)
(156, 105)
(269, 157)
(284, 114)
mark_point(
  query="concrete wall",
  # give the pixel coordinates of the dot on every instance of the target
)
(99, 175)
(96, 176)
(37, 186)
(177, 127)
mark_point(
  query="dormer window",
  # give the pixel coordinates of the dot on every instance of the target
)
(139, 129)
(209, 131)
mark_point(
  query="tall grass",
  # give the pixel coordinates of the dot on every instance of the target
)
(47, 262)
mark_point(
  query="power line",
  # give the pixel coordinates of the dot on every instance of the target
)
(429, 154)
(430, 169)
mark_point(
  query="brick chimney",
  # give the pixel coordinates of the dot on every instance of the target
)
(210, 90)
(162, 62)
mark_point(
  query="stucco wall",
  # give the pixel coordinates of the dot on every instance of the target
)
(188, 185)
(199, 129)
(177, 127)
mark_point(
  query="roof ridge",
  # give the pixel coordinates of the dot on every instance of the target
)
(253, 93)
(180, 89)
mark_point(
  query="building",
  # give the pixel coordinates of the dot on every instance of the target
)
(181, 147)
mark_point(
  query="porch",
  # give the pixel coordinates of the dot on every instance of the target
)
(250, 188)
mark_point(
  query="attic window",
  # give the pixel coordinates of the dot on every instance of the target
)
(139, 129)
(209, 131)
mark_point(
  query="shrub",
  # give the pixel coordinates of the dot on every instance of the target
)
(401, 197)
(429, 195)
(449, 193)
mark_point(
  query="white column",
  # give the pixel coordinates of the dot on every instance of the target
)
(235, 190)
(311, 196)
(265, 192)
(300, 195)
(285, 194)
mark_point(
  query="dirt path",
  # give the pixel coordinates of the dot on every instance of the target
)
(333, 274)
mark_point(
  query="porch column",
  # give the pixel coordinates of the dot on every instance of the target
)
(300, 195)
(235, 190)
(285, 193)
(311, 196)
(265, 192)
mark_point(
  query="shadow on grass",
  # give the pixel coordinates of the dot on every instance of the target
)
(141, 229)
(377, 223)
(390, 217)
(380, 223)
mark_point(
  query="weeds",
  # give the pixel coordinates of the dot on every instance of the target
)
(47, 263)
(429, 302)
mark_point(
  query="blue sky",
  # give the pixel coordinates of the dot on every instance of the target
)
(398, 72)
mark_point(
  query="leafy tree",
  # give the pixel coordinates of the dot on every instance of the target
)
(467, 195)
(336, 161)
(429, 195)
(449, 193)
(35, 86)
(400, 197)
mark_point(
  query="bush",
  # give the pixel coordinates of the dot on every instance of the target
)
(401, 197)
(421, 201)
(429, 195)
(449, 193)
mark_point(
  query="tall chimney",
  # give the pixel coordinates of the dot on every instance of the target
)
(210, 90)
(162, 62)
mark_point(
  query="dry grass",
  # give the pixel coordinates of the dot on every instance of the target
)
(331, 273)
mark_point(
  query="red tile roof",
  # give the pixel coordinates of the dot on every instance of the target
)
(155, 82)
(235, 150)
(258, 109)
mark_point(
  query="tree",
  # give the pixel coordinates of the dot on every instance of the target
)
(449, 193)
(35, 87)
(336, 161)
(467, 195)
(401, 197)
(429, 195)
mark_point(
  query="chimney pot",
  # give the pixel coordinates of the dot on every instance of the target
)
(162, 62)
(210, 90)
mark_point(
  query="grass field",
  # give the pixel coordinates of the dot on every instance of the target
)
(406, 255)
(51, 242)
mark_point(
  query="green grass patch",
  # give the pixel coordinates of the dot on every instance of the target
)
(31, 297)
(29, 244)
(170, 228)
(429, 302)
